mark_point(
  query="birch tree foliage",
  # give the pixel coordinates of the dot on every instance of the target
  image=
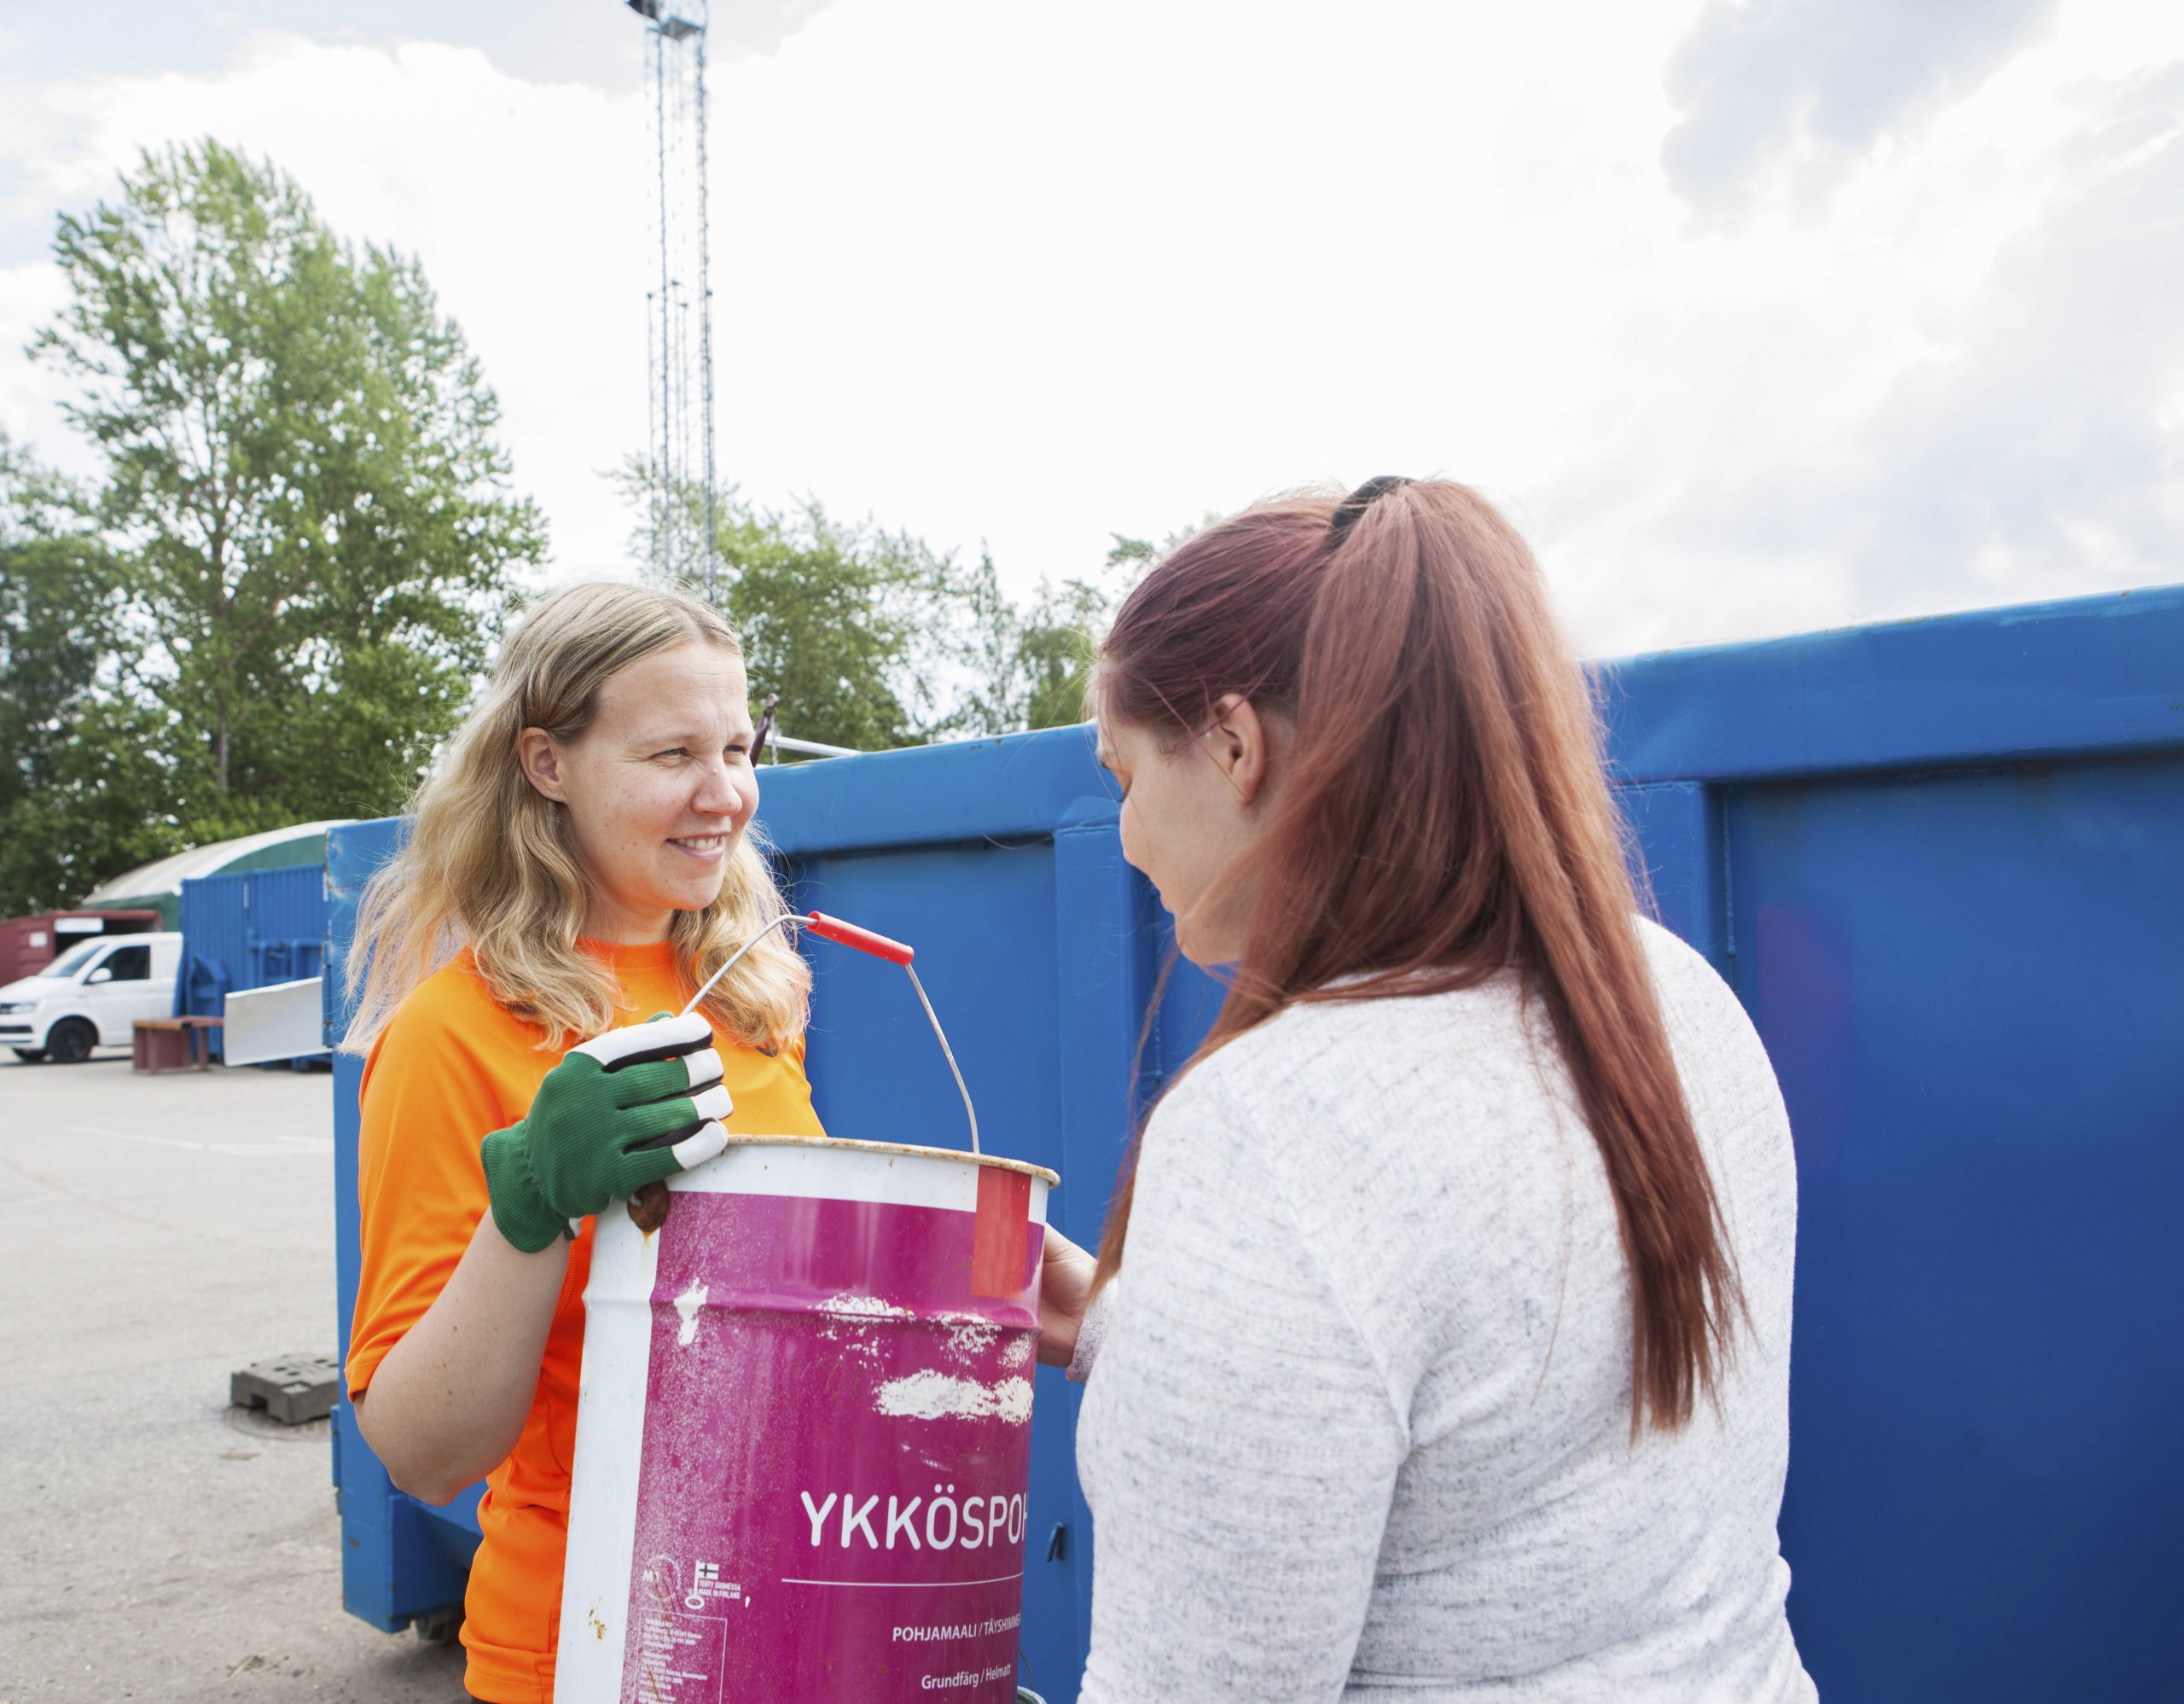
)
(313, 518)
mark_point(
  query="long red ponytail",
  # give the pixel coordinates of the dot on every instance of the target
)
(1444, 815)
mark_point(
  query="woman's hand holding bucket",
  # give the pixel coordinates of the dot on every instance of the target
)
(628, 1107)
(1065, 1287)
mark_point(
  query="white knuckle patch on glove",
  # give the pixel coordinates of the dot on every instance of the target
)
(713, 1102)
(700, 1146)
(704, 1068)
(634, 1044)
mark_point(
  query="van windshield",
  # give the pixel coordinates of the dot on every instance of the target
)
(70, 962)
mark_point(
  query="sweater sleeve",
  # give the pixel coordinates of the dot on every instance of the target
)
(1091, 1332)
(1250, 1445)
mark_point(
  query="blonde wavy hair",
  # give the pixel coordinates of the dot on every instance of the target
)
(489, 864)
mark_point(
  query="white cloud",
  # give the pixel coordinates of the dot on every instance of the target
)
(990, 271)
(2038, 440)
(757, 27)
(1821, 80)
(1952, 386)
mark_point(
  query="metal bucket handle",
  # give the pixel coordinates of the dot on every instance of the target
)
(866, 941)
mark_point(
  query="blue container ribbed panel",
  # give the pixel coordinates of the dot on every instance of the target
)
(248, 930)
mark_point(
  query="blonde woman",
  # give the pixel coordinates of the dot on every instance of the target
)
(580, 860)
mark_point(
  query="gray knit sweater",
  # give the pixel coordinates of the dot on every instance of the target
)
(1359, 1425)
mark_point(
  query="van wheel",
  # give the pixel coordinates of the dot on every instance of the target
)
(71, 1042)
(30, 1055)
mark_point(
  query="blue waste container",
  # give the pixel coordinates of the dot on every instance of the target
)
(1942, 863)
(249, 929)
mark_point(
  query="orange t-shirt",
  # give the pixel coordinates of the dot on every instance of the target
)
(451, 1066)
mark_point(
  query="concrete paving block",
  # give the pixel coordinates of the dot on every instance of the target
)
(292, 1388)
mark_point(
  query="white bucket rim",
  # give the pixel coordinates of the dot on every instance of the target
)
(992, 1161)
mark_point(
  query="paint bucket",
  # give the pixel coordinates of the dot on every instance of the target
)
(804, 1432)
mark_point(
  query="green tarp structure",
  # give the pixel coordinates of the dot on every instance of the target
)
(157, 886)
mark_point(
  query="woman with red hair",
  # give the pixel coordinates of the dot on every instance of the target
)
(1440, 1344)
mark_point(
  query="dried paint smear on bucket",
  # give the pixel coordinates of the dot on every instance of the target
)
(859, 1314)
(686, 1307)
(968, 1335)
(863, 1307)
(937, 1396)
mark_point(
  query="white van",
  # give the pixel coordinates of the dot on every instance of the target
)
(90, 997)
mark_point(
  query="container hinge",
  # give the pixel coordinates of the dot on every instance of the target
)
(1058, 1542)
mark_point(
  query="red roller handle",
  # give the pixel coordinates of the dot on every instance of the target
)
(834, 929)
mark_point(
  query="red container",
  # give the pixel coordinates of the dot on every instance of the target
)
(28, 945)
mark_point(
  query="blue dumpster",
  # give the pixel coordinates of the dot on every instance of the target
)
(1943, 865)
(250, 929)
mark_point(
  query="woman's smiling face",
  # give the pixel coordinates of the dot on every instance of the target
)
(658, 789)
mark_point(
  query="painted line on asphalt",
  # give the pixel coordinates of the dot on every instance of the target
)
(243, 1150)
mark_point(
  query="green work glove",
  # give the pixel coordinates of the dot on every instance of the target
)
(619, 1112)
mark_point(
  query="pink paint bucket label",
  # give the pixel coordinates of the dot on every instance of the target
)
(804, 1437)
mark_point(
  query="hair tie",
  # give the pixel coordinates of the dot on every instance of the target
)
(1347, 511)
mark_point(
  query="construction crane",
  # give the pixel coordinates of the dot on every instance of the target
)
(681, 502)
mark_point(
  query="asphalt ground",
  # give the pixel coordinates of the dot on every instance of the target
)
(156, 1234)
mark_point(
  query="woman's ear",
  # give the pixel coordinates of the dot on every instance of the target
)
(541, 758)
(1237, 743)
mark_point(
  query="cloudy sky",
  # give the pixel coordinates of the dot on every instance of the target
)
(1757, 316)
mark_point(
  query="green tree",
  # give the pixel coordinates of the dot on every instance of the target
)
(838, 620)
(1027, 664)
(59, 615)
(1058, 638)
(873, 639)
(78, 761)
(848, 623)
(1038, 657)
(302, 484)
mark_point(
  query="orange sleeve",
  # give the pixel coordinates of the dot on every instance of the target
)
(431, 1094)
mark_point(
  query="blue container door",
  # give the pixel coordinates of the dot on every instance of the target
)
(1973, 991)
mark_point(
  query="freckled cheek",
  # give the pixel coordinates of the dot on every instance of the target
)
(634, 814)
(650, 814)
